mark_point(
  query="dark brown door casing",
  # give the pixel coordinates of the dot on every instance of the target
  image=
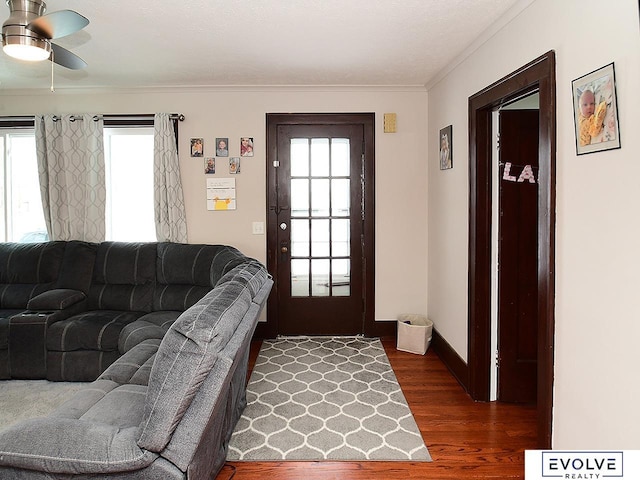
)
(320, 224)
(536, 75)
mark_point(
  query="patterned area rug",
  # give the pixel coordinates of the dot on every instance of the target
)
(322, 398)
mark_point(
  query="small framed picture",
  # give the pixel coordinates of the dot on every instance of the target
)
(595, 111)
(246, 146)
(197, 147)
(234, 165)
(446, 148)
(209, 166)
(222, 147)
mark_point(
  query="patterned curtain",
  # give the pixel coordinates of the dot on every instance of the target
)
(171, 218)
(70, 151)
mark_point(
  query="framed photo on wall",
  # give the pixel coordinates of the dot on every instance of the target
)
(197, 147)
(595, 111)
(246, 146)
(446, 150)
(222, 147)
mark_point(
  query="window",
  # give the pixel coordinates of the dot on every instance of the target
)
(129, 184)
(20, 204)
(128, 154)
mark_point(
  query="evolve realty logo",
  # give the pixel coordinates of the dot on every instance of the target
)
(581, 465)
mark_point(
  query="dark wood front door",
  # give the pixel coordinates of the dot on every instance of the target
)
(317, 228)
(517, 256)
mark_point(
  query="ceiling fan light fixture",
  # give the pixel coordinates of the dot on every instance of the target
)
(27, 48)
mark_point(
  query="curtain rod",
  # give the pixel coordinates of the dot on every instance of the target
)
(25, 118)
(173, 116)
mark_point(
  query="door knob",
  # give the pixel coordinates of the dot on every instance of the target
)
(284, 249)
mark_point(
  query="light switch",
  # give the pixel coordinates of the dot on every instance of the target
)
(390, 123)
(258, 228)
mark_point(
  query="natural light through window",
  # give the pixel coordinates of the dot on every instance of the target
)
(129, 181)
(20, 191)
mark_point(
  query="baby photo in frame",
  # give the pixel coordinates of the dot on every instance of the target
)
(595, 110)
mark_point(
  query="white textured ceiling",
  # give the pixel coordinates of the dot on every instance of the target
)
(165, 43)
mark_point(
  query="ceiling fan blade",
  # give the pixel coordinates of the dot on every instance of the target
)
(58, 24)
(64, 57)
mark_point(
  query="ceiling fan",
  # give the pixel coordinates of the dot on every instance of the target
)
(28, 32)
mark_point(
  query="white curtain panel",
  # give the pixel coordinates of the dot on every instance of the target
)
(171, 218)
(70, 151)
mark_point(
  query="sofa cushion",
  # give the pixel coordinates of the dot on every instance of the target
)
(225, 260)
(94, 330)
(30, 262)
(123, 277)
(185, 264)
(109, 409)
(70, 446)
(84, 399)
(4, 333)
(186, 355)
(183, 273)
(56, 299)
(27, 270)
(77, 266)
(150, 325)
(177, 297)
(135, 365)
(78, 366)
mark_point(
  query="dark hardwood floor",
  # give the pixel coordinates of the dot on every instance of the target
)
(467, 440)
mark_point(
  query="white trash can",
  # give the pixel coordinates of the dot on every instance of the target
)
(414, 333)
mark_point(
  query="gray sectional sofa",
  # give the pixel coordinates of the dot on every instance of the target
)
(70, 309)
(176, 340)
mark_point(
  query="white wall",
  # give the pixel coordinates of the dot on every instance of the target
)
(401, 167)
(596, 394)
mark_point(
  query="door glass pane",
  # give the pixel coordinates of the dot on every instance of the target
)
(299, 197)
(320, 238)
(320, 197)
(340, 157)
(340, 197)
(300, 278)
(340, 234)
(320, 224)
(340, 277)
(299, 157)
(319, 157)
(300, 238)
(320, 277)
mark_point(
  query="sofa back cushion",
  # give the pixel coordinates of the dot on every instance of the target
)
(77, 266)
(186, 272)
(186, 354)
(123, 277)
(226, 259)
(182, 274)
(27, 270)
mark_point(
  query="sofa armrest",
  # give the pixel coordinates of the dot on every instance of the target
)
(70, 446)
(57, 299)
